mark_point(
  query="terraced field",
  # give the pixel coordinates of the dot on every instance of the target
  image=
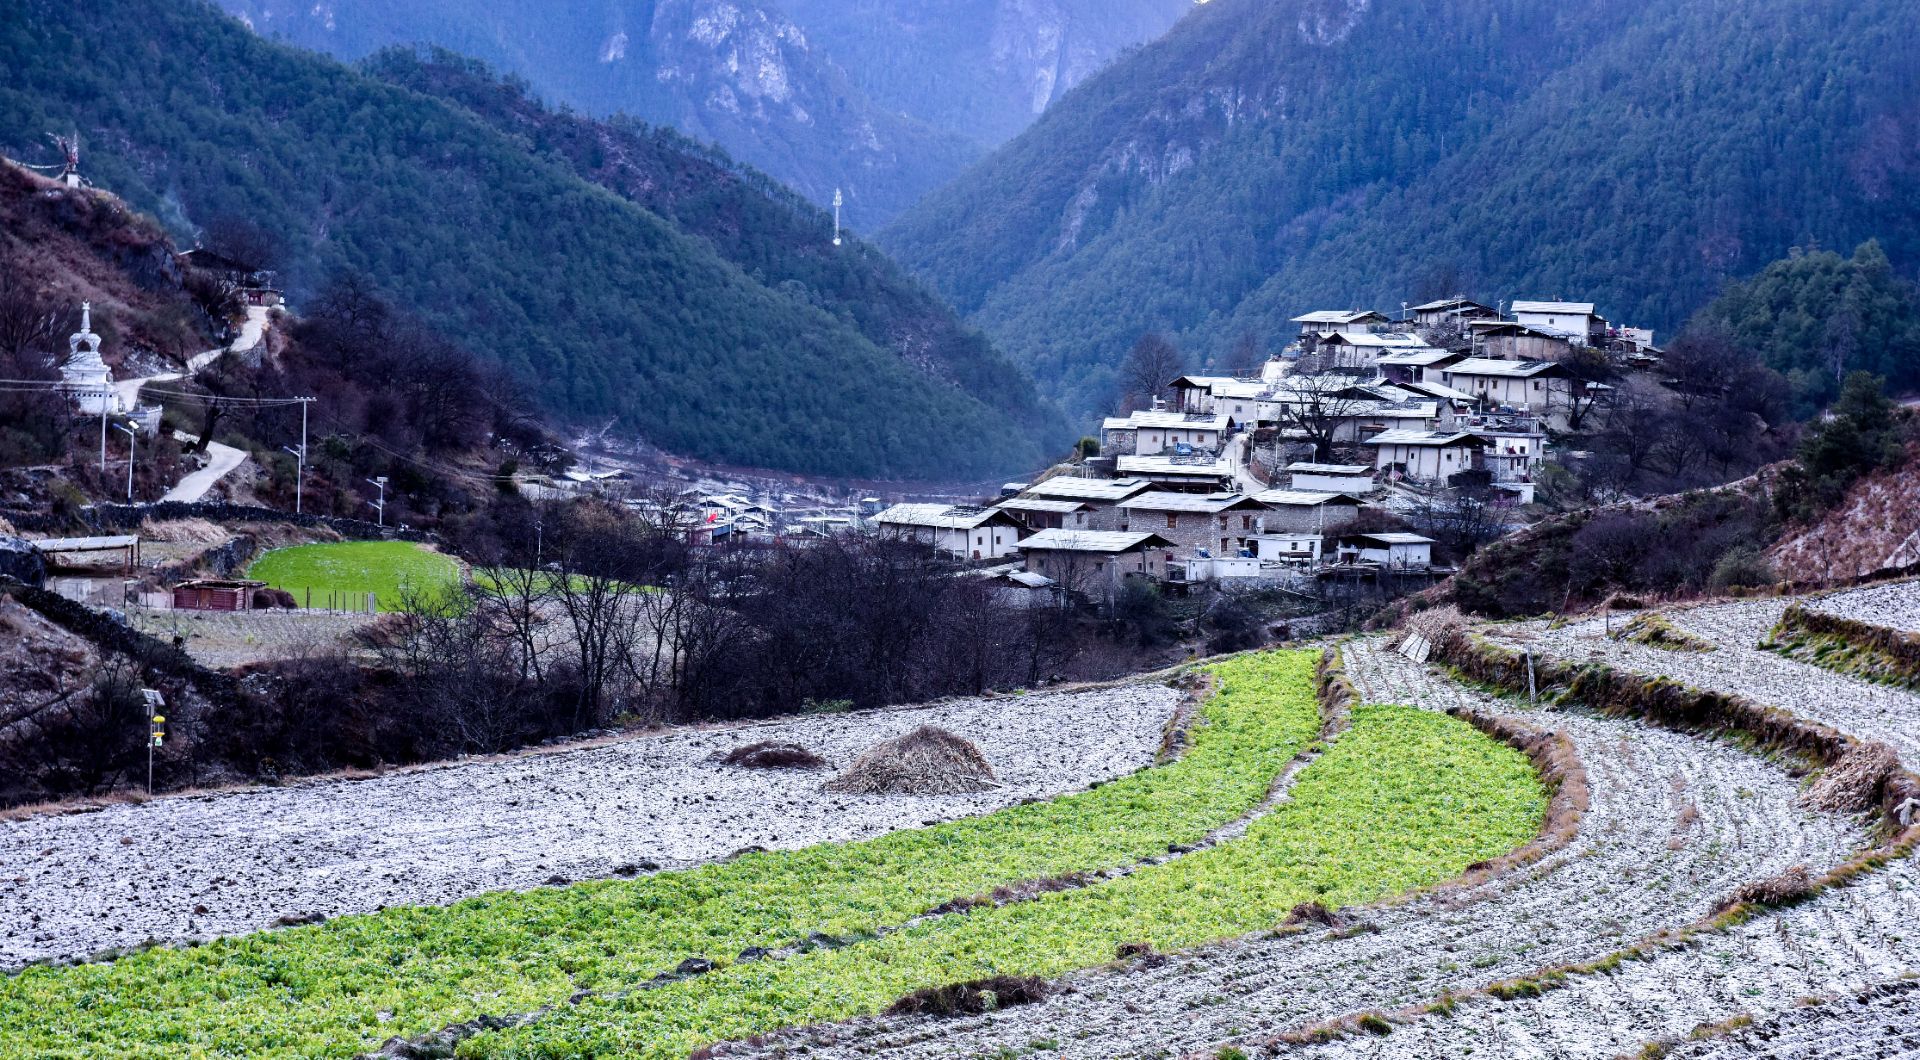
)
(1304, 880)
(1674, 824)
(1895, 605)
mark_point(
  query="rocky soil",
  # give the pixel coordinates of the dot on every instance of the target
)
(200, 866)
(1675, 823)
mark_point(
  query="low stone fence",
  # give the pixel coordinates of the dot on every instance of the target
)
(106, 517)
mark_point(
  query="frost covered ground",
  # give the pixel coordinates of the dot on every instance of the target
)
(1895, 605)
(201, 866)
(1860, 708)
(1675, 823)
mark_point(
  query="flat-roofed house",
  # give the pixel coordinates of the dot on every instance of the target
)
(1297, 547)
(1540, 387)
(1450, 312)
(1220, 521)
(1397, 550)
(1327, 321)
(1098, 494)
(1096, 562)
(1353, 479)
(1576, 320)
(1048, 513)
(964, 530)
(1303, 511)
(1155, 431)
(1194, 393)
(1511, 341)
(1413, 365)
(1363, 349)
(1426, 456)
(1202, 472)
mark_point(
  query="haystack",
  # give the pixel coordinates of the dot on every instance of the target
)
(926, 761)
(772, 754)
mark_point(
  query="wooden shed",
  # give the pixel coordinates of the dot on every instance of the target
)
(210, 595)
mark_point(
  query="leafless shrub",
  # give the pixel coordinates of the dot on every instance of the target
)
(972, 998)
(772, 754)
(1312, 913)
(1790, 886)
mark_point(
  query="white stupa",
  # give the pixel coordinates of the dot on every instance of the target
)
(87, 377)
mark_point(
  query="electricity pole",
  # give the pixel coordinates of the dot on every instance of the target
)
(133, 444)
(380, 506)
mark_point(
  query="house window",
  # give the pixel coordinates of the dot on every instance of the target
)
(1173, 520)
(1246, 522)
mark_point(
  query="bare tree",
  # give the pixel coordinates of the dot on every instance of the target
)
(29, 314)
(1151, 367)
(1591, 376)
(1315, 408)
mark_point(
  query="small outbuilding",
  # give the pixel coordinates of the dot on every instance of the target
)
(209, 595)
(1397, 550)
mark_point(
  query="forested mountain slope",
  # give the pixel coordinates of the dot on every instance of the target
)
(604, 307)
(1266, 157)
(884, 101)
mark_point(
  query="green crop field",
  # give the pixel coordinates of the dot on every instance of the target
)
(1403, 799)
(384, 568)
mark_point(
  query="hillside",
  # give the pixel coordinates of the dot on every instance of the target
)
(883, 102)
(1263, 159)
(763, 228)
(604, 309)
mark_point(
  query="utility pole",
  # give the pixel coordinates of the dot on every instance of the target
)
(157, 729)
(133, 444)
(300, 471)
(380, 506)
(837, 200)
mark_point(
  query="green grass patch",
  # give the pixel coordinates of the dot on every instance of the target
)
(384, 568)
(1656, 631)
(1406, 798)
(343, 987)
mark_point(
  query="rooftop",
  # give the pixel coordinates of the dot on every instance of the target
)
(1162, 501)
(1510, 369)
(1337, 316)
(1574, 308)
(1419, 357)
(1042, 504)
(1368, 338)
(1091, 489)
(1435, 438)
(1330, 469)
(1091, 541)
(1200, 421)
(938, 516)
(1302, 498)
(1391, 538)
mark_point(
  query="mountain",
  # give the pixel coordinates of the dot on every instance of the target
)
(981, 68)
(883, 101)
(1268, 157)
(605, 308)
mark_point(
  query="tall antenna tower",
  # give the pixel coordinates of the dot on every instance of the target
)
(837, 201)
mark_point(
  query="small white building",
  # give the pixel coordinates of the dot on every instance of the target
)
(1397, 550)
(1576, 320)
(1154, 431)
(964, 530)
(1449, 312)
(1327, 321)
(1426, 456)
(1047, 513)
(1306, 510)
(1295, 548)
(1207, 568)
(1363, 349)
(1354, 480)
(1537, 386)
(1199, 471)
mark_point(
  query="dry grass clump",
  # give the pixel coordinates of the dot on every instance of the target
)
(183, 532)
(773, 754)
(1312, 913)
(926, 761)
(1656, 631)
(972, 998)
(1790, 886)
(1436, 623)
(1852, 784)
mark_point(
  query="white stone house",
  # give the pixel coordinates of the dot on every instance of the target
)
(1328, 321)
(1576, 320)
(1426, 456)
(1155, 431)
(1537, 386)
(1295, 547)
(1363, 349)
(966, 531)
(1047, 513)
(1449, 312)
(1397, 550)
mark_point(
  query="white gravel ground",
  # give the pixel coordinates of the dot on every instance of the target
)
(1675, 823)
(1895, 605)
(203, 866)
(1865, 709)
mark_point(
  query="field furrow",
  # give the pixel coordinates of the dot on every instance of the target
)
(1675, 823)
